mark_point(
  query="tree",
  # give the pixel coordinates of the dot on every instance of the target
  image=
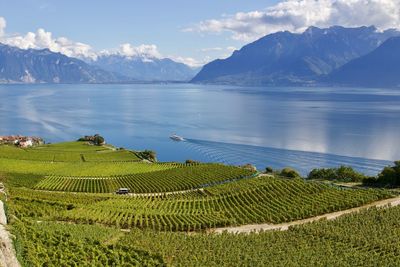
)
(98, 140)
(269, 170)
(190, 161)
(95, 139)
(148, 154)
(343, 174)
(390, 175)
(289, 173)
(250, 167)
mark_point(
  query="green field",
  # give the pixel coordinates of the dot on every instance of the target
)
(49, 244)
(179, 178)
(67, 152)
(253, 200)
(64, 212)
(88, 169)
(369, 238)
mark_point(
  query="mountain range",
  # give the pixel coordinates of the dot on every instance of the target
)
(145, 69)
(43, 66)
(316, 56)
(334, 56)
(380, 68)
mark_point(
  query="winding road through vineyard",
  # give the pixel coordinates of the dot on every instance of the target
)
(255, 228)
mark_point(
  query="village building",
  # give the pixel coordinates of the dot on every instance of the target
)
(21, 141)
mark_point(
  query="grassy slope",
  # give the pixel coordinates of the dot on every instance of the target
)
(369, 238)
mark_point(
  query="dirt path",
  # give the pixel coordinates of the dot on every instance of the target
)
(7, 252)
(285, 226)
(165, 193)
(129, 194)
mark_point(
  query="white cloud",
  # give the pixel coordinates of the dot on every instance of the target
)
(191, 62)
(217, 52)
(211, 49)
(145, 51)
(2, 26)
(297, 15)
(149, 52)
(42, 39)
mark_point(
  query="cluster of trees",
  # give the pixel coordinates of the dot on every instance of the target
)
(389, 176)
(342, 174)
(96, 139)
(149, 155)
(285, 172)
(249, 167)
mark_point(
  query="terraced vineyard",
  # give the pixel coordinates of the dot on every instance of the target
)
(49, 244)
(69, 147)
(119, 155)
(369, 238)
(183, 177)
(52, 207)
(254, 200)
(85, 169)
(67, 152)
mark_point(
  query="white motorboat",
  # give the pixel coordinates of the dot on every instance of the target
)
(177, 138)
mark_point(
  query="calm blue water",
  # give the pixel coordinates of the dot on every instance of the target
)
(299, 127)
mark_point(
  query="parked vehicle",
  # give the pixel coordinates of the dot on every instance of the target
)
(122, 191)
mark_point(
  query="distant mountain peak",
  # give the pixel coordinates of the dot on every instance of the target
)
(286, 58)
(379, 68)
(43, 66)
(145, 68)
(312, 29)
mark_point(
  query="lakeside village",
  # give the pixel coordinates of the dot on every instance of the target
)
(21, 141)
(30, 141)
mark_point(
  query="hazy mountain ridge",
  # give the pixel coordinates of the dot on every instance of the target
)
(146, 69)
(335, 56)
(286, 58)
(43, 66)
(381, 67)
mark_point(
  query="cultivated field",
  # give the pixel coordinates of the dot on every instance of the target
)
(63, 210)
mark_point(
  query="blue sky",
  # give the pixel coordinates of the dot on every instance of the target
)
(107, 24)
(190, 31)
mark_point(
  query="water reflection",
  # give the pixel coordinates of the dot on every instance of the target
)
(361, 123)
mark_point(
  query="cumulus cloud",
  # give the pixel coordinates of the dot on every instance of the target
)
(42, 39)
(149, 52)
(297, 15)
(191, 62)
(145, 51)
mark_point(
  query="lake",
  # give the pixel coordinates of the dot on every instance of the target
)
(299, 127)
